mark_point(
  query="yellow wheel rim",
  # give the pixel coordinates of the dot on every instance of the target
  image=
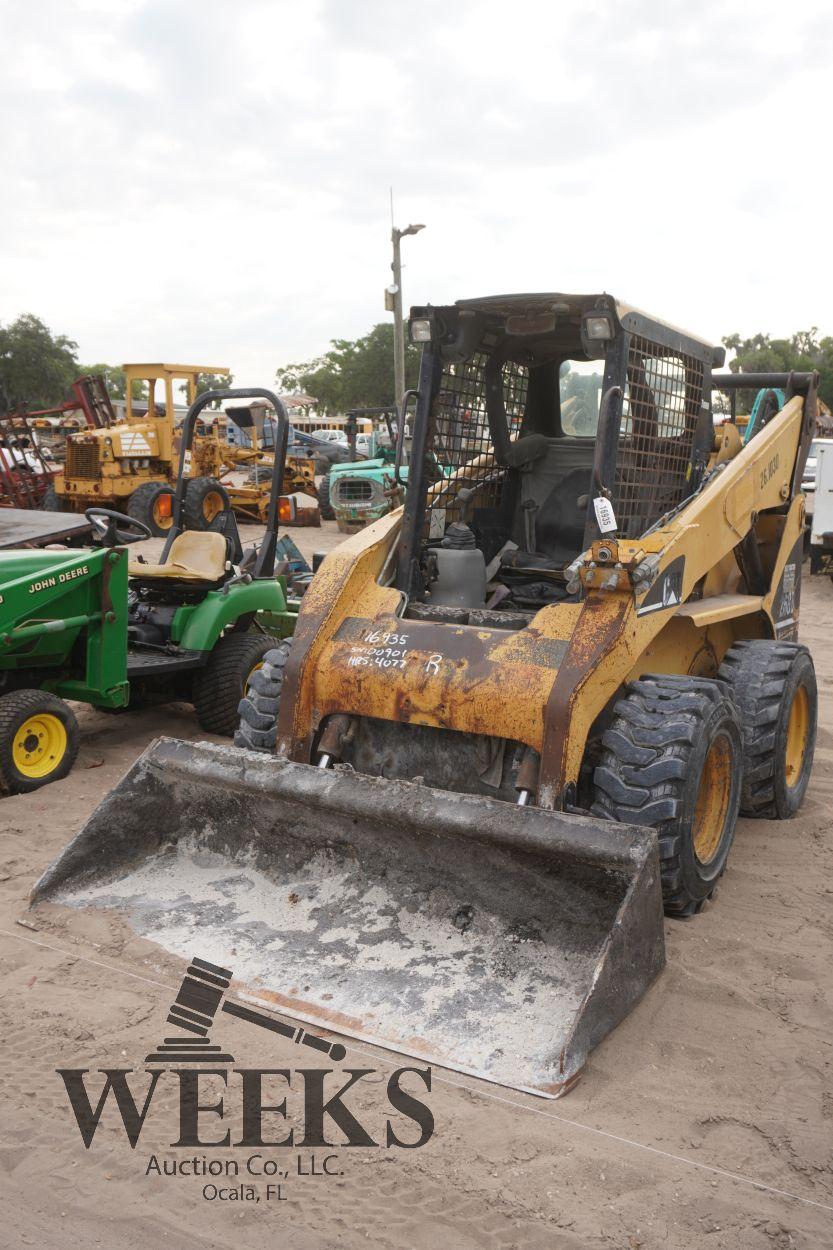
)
(212, 505)
(252, 672)
(713, 798)
(39, 745)
(798, 732)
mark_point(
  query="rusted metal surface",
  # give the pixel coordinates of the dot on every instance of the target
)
(345, 584)
(348, 655)
(589, 676)
(355, 902)
(24, 473)
(449, 676)
(448, 759)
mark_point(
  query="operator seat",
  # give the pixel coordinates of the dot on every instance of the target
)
(554, 486)
(196, 556)
(550, 491)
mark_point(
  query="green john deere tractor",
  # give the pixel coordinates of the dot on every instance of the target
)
(96, 626)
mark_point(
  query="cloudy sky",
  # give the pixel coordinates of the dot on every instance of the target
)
(207, 180)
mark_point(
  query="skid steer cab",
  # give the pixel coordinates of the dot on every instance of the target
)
(519, 716)
(103, 627)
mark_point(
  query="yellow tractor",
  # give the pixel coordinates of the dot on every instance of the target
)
(215, 456)
(519, 717)
(130, 465)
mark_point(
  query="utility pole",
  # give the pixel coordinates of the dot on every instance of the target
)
(395, 291)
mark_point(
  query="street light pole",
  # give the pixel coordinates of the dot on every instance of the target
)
(396, 237)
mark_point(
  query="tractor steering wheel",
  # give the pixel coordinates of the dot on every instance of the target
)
(108, 526)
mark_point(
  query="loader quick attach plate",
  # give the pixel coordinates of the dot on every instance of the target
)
(500, 941)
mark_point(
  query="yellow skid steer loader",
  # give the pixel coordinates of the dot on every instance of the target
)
(518, 717)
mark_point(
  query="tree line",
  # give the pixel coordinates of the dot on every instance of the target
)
(352, 374)
(37, 367)
(800, 353)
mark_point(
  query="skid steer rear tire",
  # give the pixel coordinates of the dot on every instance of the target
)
(672, 759)
(324, 506)
(258, 727)
(39, 740)
(219, 686)
(774, 686)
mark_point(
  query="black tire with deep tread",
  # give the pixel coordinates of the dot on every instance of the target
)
(763, 675)
(324, 506)
(195, 494)
(51, 501)
(649, 773)
(140, 505)
(219, 686)
(18, 706)
(258, 727)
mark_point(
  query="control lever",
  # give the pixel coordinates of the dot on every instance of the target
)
(242, 579)
(465, 496)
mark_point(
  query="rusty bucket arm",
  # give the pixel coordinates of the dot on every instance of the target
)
(500, 941)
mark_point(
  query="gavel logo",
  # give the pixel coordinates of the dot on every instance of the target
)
(199, 998)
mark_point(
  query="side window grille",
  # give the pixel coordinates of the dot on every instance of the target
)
(459, 433)
(660, 411)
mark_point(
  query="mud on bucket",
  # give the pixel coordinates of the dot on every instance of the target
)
(500, 941)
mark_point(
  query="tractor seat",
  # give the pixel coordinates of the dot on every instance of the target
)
(195, 556)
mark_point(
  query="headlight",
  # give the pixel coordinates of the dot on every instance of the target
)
(598, 328)
(420, 330)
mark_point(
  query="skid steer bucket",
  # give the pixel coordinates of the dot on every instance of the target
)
(500, 941)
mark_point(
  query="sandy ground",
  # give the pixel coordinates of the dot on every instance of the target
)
(723, 1068)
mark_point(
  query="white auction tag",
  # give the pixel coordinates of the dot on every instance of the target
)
(436, 524)
(605, 515)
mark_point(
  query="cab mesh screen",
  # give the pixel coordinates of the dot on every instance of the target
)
(660, 411)
(459, 432)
